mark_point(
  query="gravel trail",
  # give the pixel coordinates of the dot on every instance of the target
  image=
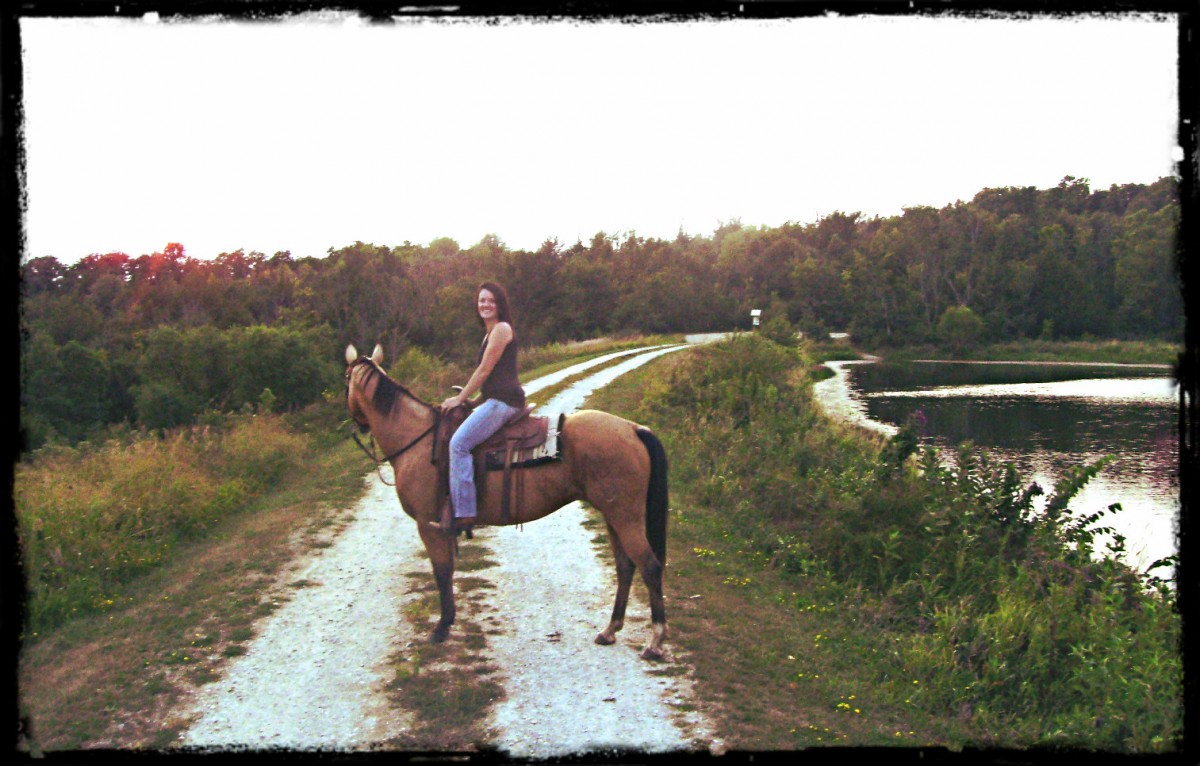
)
(309, 679)
(836, 398)
(312, 678)
(564, 694)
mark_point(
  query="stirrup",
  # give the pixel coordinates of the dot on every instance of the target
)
(444, 522)
(457, 524)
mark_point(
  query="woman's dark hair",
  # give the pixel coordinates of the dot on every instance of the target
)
(502, 310)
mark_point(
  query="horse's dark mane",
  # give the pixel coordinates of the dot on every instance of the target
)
(387, 391)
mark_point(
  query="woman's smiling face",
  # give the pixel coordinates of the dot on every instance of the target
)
(486, 305)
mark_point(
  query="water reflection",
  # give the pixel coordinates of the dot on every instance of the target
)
(1047, 418)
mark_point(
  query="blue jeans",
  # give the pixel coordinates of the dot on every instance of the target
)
(484, 421)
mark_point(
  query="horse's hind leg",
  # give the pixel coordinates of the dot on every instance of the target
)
(652, 575)
(625, 569)
(440, 547)
(635, 549)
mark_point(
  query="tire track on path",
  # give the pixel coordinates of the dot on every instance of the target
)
(564, 694)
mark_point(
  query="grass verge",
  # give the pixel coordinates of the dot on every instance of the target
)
(1102, 351)
(113, 678)
(829, 591)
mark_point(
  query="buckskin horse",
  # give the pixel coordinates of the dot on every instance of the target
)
(617, 466)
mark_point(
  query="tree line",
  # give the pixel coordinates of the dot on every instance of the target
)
(156, 339)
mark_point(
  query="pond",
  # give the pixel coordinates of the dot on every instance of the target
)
(1044, 418)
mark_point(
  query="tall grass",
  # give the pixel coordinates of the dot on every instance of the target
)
(998, 615)
(93, 517)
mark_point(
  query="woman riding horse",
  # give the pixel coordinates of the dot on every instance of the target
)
(502, 397)
(618, 466)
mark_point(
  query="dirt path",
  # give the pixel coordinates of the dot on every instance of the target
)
(564, 694)
(835, 397)
(312, 677)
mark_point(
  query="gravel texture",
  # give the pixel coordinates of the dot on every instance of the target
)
(312, 678)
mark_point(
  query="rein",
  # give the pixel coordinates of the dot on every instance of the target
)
(370, 451)
(389, 458)
(379, 461)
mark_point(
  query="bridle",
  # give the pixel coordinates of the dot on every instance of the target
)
(366, 428)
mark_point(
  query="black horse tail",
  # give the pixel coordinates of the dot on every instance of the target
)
(656, 494)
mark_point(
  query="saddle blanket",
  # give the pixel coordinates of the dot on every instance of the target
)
(546, 452)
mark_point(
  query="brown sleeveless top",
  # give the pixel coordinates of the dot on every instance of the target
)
(503, 384)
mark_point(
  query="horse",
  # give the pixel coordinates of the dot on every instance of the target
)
(616, 465)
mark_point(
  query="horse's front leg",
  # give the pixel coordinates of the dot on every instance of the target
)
(440, 547)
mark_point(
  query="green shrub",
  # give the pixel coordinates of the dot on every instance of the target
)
(259, 451)
(959, 328)
(161, 405)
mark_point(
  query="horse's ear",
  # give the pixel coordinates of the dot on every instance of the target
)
(351, 354)
(377, 354)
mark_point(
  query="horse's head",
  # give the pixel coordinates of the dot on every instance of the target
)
(356, 376)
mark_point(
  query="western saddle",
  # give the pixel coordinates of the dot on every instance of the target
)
(523, 431)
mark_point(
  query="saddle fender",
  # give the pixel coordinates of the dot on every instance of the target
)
(522, 441)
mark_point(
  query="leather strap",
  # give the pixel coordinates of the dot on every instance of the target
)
(506, 498)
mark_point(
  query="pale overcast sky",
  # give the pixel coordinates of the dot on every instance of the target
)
(309, 135)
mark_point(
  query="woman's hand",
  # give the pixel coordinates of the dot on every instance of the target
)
(452, 402)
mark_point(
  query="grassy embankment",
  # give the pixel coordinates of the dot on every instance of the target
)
(831, 588)
(1103, 351)
(149, 558)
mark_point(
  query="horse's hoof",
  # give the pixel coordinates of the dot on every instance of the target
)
(652, 654)
(605, 640)
(440, 634)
